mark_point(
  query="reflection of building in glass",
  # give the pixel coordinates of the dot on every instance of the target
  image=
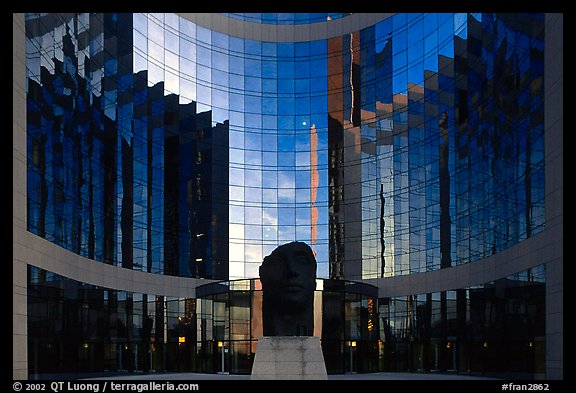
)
(413, 152)
(468, 328)
(234, 311)
(142, 185)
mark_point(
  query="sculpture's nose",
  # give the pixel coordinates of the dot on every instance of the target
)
(291, 268)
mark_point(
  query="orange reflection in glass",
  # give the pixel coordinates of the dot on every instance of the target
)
(314, 180)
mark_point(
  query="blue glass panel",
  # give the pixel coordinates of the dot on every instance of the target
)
(236, 45)
(252, 85)
(286, 69)
(302, 69)
(203, 35)
(460, 25)
(252, 104)
(269, 86)
(269, 107)
(285, 86)
(269, 49)
(219, 41)
(252, 48)
(269, 69)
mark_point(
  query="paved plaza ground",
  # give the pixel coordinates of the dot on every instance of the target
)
(362, 376)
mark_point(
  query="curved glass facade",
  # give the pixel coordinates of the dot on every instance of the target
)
(75, 327)
(159, 145)
(497, 327)
(411, 145)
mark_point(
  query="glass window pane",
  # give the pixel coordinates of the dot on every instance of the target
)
(253, 194)
(253, 215)
(187, 49)
(203, 34)
(140, 23)
(269, 218)
(270, 178)
(172, 41)
(187, 28)
(269, 159)
(286, 181)
(219, 40)
(155, 52)
(269, 195)
(140, 42)
(220, 61)
(156, 31)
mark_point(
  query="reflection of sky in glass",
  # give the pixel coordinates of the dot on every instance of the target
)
(272, 94)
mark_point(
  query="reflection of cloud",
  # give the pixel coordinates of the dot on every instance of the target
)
(236, 270)
(301, 146)
(236, 193)
(236, 231)
(236, 176)
(287, 233)
(252, 176)
(270, 196)
(253, 253)
(286, 187)
(236, 252)
(286, 195)
(253, 158)
(251, 270)
(269, 219)
(286, 179)
(252, 215)
(322, 270)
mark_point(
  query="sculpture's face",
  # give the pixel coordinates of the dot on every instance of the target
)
(288, 275)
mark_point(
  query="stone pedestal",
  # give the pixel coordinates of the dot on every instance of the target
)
(284, 357)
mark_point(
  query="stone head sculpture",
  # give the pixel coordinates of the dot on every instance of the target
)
(288, 277)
